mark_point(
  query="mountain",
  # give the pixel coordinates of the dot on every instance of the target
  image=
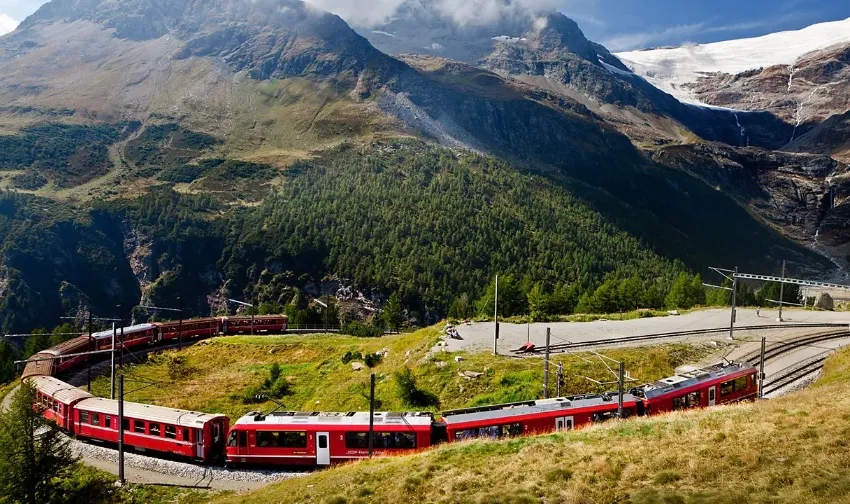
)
(231, 148)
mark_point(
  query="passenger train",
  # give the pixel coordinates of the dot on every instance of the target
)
(321, 438)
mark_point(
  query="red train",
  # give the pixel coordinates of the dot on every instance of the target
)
(44, 363)
(320, 439)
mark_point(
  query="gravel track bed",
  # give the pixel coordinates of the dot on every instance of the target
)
(180, 469)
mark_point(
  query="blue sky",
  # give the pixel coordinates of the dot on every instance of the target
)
(632, 24)
(618, 24)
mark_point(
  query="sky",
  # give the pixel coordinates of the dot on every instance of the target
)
(618, 24)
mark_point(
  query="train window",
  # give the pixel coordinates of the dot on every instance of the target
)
(125, 425)
(107, 422)
(740, 384)
(356, 439)
(231, 439)
(694, 400)
(727, 388)
(605, 416)
(267, 439)
(84, 417)
(323, 442)
(680, 402)
(56, 406)
(512, 430)
(95, 419)
(139, 426)
(186, 436)
(243, 439)
(170, 432)
(155, 429)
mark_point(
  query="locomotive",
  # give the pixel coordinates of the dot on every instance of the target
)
(299, 438)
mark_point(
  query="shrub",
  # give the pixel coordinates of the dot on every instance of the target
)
(373, 360)
(410, 392)
(351, 356)
(361, 330)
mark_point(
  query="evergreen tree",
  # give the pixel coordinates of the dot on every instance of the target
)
(7, 362)
(36, 343)
(536, 302)
(34, 455)
(393, 312)
(511, 299)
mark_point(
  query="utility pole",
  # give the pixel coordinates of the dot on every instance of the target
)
(180, 323)
(371, 412)
(121, 430)
(620, 383)
(761, 369)
(496, 319)
(112, 377)
(781, 292)
(121, 351)
(88, 360)
(253, 312)
(546, 367)
(560, 377)
(734, 296)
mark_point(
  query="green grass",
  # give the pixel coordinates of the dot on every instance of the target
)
(215, 375)
(88, 484)
(788, 450)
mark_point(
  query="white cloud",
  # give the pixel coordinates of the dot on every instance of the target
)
(7, 24)
(463, 12)
(674, 34)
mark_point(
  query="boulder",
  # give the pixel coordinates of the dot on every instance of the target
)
(825, 302)
(458, 358)
(357, 366)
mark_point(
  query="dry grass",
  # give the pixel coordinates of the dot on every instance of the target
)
(789, 450)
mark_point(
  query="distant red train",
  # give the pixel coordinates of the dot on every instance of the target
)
(320, 439)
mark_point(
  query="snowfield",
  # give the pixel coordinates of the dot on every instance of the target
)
(671, 69)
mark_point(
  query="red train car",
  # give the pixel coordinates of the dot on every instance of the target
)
(534, 417)
(133, 336)
(193, 328)
(319, 439)
(57, 399)
(189, 434)
(271, 324)
(701, 388)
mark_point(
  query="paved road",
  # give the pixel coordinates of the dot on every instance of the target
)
(478, 337)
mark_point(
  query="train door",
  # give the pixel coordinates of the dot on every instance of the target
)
(323, 449)
(199, 437)
(563, 424)
(712, 399)
(218, 440)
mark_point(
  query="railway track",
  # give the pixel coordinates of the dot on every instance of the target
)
(566, 347)
(795, 373)
(791, 345)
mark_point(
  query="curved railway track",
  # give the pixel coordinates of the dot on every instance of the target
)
(566, 347)
(795, 373)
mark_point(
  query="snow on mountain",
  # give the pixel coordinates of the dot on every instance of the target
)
(673, 69)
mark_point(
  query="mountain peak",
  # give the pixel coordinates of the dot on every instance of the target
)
(555, 32)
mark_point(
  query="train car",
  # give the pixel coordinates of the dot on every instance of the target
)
(133, 336)
(188, 434)
(534, 417)
(77, 345)
(268, 324)
(320, 439)
(56, 399)
(43, 363)
(721, 384)
(188, 329)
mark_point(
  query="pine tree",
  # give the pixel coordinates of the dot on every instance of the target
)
(393, 312)
(34, 455)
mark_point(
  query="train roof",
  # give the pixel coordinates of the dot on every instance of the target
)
(147, 412)
(507, 411)
(351, 418)
(690, 378)
(72, 345)
(59, 390)
(127, 330)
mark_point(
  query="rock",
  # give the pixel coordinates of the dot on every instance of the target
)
(825, 302)
(407, 353)
(458, 358)
(470, 375)
(673, 312)
(440, 364)
(357, 366)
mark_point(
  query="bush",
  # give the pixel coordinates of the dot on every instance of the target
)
(361, 330)
(274, 387)
(373, 360)
(351, 356)
(410, 393)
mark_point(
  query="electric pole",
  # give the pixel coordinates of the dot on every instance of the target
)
(781, 292)
(88, 361)
(546, 367)
(253, 312)
(496, 319)
(560, 377)
(620, 383)
(734, 296)
(180, 323)
(121, 343)
(112, 376)
(761, 369)
(121, 430)
(371, 412)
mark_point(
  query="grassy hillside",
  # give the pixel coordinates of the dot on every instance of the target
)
(788, 450)
(215, 376)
